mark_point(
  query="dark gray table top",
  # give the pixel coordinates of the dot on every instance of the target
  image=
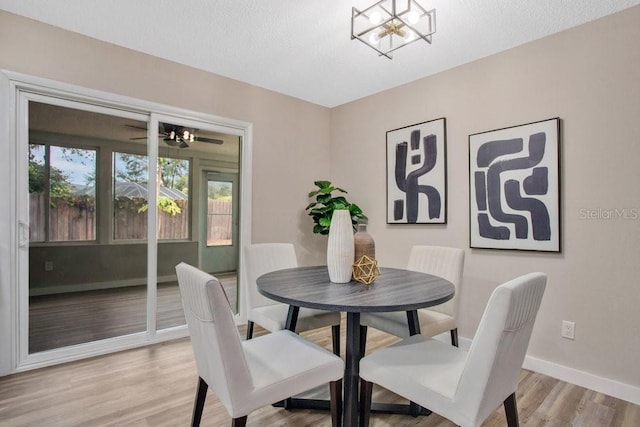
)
(394, 290)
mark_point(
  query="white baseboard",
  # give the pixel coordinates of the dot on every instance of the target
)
(593, 382)
(602, 385)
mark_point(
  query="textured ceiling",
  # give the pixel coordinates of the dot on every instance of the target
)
(302, 48)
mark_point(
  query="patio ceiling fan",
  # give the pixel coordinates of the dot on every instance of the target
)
(178, 136)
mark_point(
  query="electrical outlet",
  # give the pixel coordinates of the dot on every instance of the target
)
(48, 266)
(568, 329)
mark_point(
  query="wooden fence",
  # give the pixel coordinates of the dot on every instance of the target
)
(68, 221)
(219, 222)
(130, 223)
(77, 221)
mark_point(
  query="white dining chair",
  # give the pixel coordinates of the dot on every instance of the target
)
(437, 260)
(247, 375)
(465, 387)
(262, 258)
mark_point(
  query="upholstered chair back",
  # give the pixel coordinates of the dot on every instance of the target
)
(444, 262)
(216, 344)
(262, 258)
(499, 346)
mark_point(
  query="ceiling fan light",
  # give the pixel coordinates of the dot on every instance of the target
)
(172, 135)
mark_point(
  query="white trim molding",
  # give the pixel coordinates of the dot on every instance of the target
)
(570, 375)
(584, 379)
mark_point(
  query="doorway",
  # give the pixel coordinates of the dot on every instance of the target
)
(221, 232)
(220, 235)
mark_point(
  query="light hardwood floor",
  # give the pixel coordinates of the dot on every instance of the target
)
(155, 386)
(66, 319)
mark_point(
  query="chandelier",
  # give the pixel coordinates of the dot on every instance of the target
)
(388, 25)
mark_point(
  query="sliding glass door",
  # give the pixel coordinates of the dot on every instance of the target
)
(111, 199)
(87, 184)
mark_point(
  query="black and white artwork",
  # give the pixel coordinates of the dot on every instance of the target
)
(514, 188)
(417, 174)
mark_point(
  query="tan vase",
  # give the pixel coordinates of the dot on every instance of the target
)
(363, 243)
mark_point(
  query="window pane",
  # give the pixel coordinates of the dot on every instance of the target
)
(130, 176)
(131, 202)
(219, 218)
(72, 195)
(173, 200)
(79, 293)
(37, 191)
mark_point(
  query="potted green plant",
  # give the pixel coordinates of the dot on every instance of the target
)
(321, 209)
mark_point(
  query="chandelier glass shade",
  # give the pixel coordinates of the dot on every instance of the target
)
(388, 25)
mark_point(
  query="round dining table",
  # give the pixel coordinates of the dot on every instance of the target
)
(394, 290)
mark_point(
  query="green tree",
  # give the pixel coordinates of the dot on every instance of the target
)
(219, 190)
(131, 168)
(174, 173)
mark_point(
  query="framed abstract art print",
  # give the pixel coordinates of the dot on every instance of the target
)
(514, 187)
(417, 174)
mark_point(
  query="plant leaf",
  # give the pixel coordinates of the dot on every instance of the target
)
(324, 198)
(341, 200)
(326, 190)
(324, 221)
(355, 210)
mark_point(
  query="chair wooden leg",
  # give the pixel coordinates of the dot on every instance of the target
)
(454, 337)
(201, 395)
(363, 339)
(249, 330)
(511, 410)
(239, 422)
(366, 389)
(335, 335)
(335, 390)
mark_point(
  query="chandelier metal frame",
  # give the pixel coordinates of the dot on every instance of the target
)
(388, 25)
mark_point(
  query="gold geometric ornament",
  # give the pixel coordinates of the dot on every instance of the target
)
(365, 270)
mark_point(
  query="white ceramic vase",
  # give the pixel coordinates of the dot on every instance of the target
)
(340, 247)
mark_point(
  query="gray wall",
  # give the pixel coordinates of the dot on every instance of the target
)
(84, 267)
(588, 76)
